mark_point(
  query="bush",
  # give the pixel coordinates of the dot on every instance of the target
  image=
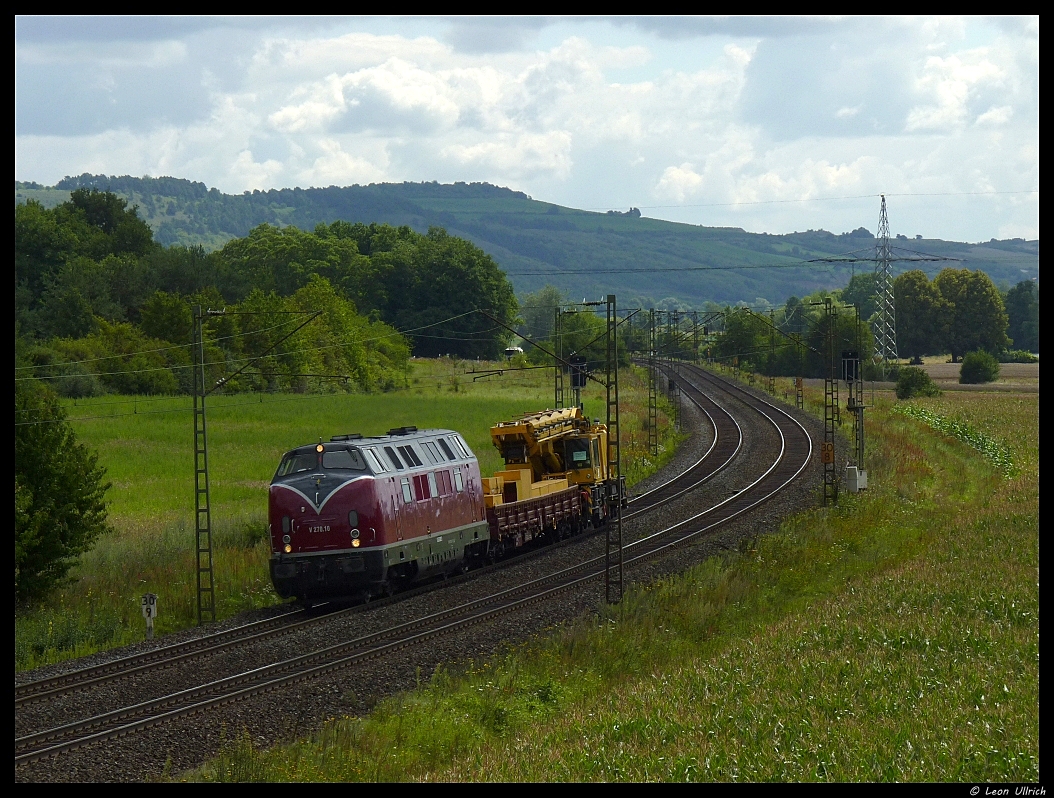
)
(915, 382)
(978, 367)
(59, 490)
(78, 386)
(873, 371)
(1018, 356)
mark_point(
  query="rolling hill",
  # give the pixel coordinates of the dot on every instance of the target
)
(644, 261)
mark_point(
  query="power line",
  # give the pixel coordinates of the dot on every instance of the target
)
(144, 351)
(833, 260)
(234, 361)
(176, 409)
(826, 199)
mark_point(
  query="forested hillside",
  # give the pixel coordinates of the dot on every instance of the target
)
(101, 306)
(645, 261)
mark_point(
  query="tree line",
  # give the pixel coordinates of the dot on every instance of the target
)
(100, 306)
(959, 312)
(787, 342)
(962, 311)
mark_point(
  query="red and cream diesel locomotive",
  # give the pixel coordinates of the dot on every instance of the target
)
(362, 516)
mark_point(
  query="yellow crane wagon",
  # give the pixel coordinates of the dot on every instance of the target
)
(554, 477)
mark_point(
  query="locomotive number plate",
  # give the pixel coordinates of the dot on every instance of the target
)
(323, 528)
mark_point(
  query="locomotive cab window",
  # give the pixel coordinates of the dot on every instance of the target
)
(408, 495)
(459, 485)
(349, 459)
(296, 462)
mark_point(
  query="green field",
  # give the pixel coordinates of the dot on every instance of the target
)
(146, 446)
(894, 638)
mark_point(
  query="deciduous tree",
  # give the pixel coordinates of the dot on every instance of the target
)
(1022, 309)
(59, 492)
(919, 308)
(976, 315)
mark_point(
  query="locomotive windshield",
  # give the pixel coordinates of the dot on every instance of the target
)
(350, 459)
(295, 462)
(332, 459)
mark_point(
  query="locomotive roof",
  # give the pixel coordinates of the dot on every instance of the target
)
(397, 435)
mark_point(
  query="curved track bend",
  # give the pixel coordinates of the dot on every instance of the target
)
(784, 465)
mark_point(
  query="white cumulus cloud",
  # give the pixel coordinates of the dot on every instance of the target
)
(716, 115)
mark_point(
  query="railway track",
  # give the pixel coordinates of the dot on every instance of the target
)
(727, 440)
(788, 461)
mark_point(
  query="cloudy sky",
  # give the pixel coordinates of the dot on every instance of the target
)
(770, 124)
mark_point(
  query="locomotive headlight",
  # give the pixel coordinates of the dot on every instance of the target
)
(355, 543)
(354, 534)
(285, 538)
(288, 548)
(319, 448)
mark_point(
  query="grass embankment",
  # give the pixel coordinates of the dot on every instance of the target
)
(893, 638)
(145, 445)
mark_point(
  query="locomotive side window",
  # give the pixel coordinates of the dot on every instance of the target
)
(375, 462)
(458, 483)
(295, 462)
(350, 459)
(393, 458)
(408, 495)
(433, 489)
(432, 452)
(410, 456)
(428, 454)
(446, 450)
(445, 485)
(421, 487)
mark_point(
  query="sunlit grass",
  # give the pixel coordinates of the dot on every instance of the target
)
(893, 638)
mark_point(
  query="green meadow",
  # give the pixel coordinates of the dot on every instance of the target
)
(892, 638)
(146, 445)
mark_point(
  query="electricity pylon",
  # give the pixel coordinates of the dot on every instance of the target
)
(886, 320)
